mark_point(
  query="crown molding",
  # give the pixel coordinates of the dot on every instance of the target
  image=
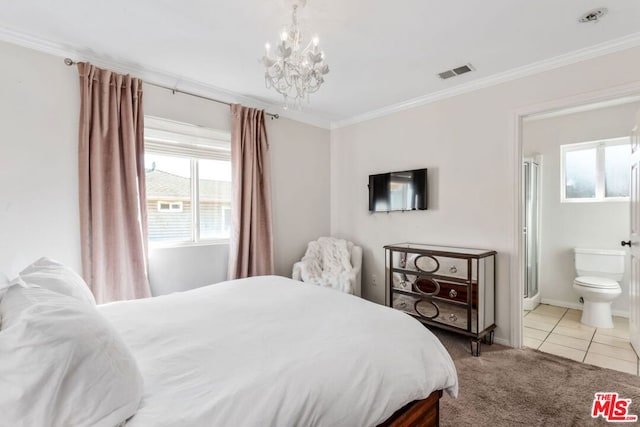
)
(156, 76)
(615, 45)
(172, 80)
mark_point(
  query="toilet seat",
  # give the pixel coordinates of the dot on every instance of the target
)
(597, 282)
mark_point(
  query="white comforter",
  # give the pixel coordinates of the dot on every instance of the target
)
(270, 351)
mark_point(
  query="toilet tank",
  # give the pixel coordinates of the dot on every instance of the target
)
(600, 263)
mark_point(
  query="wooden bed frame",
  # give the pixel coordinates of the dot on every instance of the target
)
(419, 413)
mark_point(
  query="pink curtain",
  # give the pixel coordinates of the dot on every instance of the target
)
(112, 185)
(251, 245)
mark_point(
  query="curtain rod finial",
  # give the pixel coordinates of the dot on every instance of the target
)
(69, 61)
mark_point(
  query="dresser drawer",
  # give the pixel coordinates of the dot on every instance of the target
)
(453, 315)
(439, 265)
(436, 310)
(451, 291)
(453, 267)
(402, 281)
(416, 306)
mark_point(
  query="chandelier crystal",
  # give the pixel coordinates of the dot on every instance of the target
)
(294, 70)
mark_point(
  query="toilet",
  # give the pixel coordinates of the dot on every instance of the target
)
(599, 273)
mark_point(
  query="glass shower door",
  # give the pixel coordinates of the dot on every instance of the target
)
(530, 193)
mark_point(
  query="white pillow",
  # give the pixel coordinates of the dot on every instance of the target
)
(56, 277)
(63, 364)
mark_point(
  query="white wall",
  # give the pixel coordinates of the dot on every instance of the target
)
(39, 108)
(564, 226)
(299, 187)
(39, 102)
(467, 143)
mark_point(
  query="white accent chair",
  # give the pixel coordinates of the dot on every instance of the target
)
(355, 277)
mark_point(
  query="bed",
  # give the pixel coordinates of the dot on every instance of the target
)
(270, 351)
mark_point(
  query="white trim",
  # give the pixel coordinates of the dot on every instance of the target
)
(32, 42)
(596, 200)
(515, 135)
(181, 139)
(611, 46)
(168, 79)
(176, 144)
(183, 244)
(584, 108)
(199, 134)
(517, 271)
(501, 341)
(578, 306)
(195, 200)
(156, 76)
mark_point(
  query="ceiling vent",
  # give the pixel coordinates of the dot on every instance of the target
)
(456, 71)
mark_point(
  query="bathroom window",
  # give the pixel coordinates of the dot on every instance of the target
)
(596, 171)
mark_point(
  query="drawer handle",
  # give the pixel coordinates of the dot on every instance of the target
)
(453, 293)
(453, 269)
(403, 304)
(453, 317)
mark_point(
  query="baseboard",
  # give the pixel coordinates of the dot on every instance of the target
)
(558, 303)
(502, 341)
(531, 303)
(578, 306)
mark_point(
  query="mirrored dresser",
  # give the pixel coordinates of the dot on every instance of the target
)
(446, 287)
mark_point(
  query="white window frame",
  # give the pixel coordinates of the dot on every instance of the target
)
(178, 139)
(600, 146)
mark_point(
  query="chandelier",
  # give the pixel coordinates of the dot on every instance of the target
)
(295, 71)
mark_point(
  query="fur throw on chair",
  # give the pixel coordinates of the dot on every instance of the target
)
(327, 263)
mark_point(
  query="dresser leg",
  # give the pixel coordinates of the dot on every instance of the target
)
(475, 348)
(488, 339)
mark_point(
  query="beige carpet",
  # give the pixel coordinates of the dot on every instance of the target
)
(507, 387)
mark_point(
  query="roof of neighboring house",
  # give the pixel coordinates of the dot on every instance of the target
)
(164, 185)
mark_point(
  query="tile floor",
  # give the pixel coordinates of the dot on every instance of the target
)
(557, 330)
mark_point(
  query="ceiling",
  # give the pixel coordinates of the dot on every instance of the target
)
(381, 53)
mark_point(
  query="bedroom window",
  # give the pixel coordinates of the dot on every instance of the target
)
(188, 182)
(596, 171)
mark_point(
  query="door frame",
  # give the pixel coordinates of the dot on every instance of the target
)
(515, 135)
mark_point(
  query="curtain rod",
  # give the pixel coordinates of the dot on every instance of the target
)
(70, 62)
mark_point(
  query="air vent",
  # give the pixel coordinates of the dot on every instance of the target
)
(462, 70)
(447, 74)
(456, 71)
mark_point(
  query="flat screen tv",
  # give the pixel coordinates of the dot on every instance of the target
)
(398, 191)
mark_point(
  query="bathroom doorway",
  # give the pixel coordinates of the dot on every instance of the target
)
(575, 195)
